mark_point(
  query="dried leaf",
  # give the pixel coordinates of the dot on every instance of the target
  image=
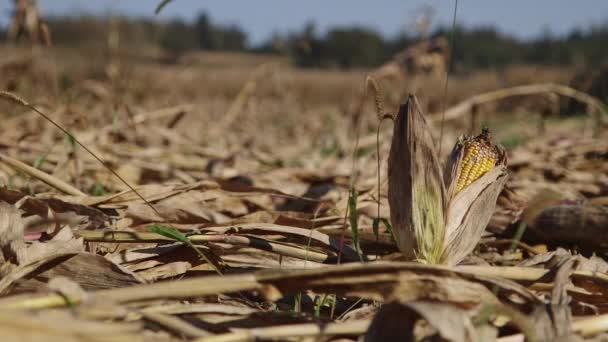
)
(164, 271)
(63, 242)
(12, 244)
(416, 193)
(555, 320)
(90, 271)
(42, 206)
(469, 213)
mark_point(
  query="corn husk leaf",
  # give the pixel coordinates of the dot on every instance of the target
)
(416, 192)
(469, 212)
(452, 168)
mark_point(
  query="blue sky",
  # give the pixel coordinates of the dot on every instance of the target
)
(260, 18)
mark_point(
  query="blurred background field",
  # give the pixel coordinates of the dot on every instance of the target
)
(130, 60)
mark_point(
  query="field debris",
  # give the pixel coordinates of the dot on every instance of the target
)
(243, 212)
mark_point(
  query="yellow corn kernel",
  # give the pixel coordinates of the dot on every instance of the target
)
(480, 156)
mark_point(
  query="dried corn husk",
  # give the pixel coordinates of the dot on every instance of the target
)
(416, 193)
(434, 221)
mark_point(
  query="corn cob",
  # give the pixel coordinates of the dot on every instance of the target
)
(480, 156)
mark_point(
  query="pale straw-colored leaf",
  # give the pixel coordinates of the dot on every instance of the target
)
(469, 212)
(416, 192)
(12, 244)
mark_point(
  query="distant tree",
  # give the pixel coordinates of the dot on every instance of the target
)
(277, 43)
(231, 38)
(306, 48)
(485, 47)
(179, 36)
(589, 47)
(207, 39)
(354, 47)
(398, 43)
(84, 30)
(218, 37)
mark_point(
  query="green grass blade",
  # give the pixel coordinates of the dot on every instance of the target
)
(177, 236)
(376, 227)
(169, 232)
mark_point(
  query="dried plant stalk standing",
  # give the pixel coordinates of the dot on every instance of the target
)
(438, 217)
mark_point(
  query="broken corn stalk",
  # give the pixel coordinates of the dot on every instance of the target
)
(438, 215)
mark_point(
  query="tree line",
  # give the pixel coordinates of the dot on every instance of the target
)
(339, 47)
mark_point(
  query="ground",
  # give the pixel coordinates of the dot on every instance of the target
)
(246, 164)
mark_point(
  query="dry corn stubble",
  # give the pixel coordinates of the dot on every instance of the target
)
(439, 217)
